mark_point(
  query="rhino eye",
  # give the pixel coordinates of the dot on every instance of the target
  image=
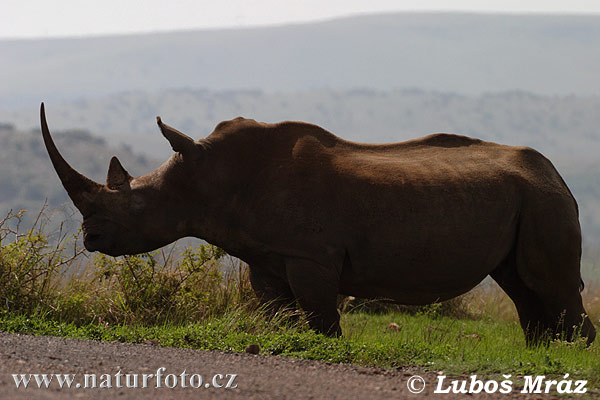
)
(137, 205)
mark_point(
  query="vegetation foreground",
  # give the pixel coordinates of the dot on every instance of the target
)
(201, 298)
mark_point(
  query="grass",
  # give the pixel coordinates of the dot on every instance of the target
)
(189, 299)
(465, 346)
(457, 347)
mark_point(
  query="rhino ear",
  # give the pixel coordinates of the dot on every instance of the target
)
(180, 142)
(117, 177)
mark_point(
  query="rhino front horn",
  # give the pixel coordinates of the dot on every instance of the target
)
(80, 188)
(180, 142)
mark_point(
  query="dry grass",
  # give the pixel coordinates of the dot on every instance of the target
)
(591, 301)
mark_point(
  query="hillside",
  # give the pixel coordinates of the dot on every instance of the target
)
(565, 128)
(451, 52)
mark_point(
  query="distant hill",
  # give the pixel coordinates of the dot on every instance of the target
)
(562, 127)
(449, 52)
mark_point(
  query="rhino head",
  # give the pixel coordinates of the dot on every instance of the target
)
(130, 215)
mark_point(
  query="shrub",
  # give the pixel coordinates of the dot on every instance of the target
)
(53, 276)
(31, 266)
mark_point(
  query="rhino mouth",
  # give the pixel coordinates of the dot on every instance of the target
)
(92, 237)
(92, 241)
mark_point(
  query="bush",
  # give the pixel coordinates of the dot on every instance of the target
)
(143, 289)
(56, 278)
(31, 266)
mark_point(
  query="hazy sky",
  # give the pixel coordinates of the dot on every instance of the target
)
(45, 18)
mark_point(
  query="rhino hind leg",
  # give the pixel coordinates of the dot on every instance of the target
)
(544, 316)
(548, 261)
(316, 288)
(542, 277)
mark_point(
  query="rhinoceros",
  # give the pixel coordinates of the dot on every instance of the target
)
(314, 216)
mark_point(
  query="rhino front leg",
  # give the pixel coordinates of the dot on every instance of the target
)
(315, 286)
(272, 289)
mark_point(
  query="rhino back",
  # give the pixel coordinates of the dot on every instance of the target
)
(440, 204)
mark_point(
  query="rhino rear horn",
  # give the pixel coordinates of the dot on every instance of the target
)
(80, 189)
(117, 177)
(180, 142)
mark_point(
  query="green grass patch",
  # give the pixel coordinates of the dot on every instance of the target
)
(466, 346)
(233, 332)
(457, 347)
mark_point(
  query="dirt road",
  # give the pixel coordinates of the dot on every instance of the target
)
(249, 376)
